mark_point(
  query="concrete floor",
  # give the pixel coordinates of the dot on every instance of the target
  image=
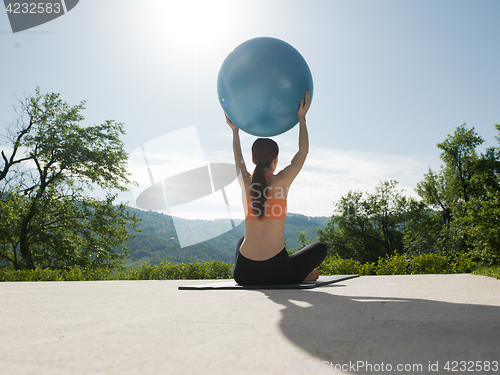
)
(372, 324)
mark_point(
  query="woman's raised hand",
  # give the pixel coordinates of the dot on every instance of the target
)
(231, 125)
(305, 104)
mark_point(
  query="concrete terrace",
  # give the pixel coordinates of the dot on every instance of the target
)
(419, 322)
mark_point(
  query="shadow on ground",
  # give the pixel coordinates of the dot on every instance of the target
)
(348, 329)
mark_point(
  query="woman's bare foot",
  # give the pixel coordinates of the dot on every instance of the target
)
(313, 276)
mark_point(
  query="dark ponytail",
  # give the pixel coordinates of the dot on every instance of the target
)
(264, 151)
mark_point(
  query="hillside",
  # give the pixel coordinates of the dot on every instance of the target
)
(158, 240)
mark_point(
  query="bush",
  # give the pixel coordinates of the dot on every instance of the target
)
(399, 264)
(144, 272)
(462, 262)
(443, 262)
(486, 270)
(163, 271)
(334, 265)
(207, 270)
(429, 263)
(395, 264)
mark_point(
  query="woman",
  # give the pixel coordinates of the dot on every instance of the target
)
(261, 258)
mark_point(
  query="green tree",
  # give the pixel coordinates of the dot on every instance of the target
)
(462, 165)
(350, 232)
(466, 179)
(482, 220)
(367, 228)
(435, 192)
(465, 194)
(422, 232)
(482, 225)
(51, 163)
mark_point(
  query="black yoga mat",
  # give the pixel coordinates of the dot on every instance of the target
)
(323, 280)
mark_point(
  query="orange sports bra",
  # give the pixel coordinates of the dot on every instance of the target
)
(275, 208)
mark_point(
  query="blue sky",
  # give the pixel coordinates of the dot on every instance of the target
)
(392, 78)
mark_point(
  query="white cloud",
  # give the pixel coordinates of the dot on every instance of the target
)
(330, 173)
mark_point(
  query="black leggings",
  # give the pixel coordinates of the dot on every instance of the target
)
(281, 269)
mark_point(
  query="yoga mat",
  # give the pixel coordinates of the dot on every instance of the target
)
(323, 280)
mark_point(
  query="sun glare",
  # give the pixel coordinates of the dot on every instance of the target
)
(194, 28)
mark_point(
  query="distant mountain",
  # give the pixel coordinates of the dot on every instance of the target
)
(158, 240)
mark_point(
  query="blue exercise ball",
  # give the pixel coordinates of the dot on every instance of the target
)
(260, 85)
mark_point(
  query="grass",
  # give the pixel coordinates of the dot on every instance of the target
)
(491, 271)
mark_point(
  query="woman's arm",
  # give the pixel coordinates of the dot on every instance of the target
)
(292, 170)
(239, 161)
